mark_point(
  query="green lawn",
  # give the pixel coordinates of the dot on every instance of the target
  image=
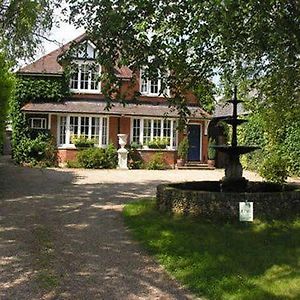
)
(221, 261)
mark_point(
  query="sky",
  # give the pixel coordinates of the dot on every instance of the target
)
(62, 34)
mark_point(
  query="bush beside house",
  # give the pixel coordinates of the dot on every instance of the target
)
(98, 158)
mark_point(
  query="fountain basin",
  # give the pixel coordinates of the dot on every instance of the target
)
(204, 199)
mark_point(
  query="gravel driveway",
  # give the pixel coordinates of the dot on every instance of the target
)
(63, 236)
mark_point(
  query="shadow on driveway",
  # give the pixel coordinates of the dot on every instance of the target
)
(60, 240)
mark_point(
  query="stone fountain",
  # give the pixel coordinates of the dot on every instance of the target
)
(234, 180)
(220, 200)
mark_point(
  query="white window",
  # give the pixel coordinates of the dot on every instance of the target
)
(85, 78)
(151, 87)
(38, 123)
(93, 127)
(145, 130)
(136, 130)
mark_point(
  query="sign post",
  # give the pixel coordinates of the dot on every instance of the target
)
(246, 211)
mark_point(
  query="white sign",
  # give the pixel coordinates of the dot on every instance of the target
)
(246, 211)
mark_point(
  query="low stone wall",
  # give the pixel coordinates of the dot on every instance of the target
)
(212, 204)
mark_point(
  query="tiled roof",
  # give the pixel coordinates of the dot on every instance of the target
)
(226, 109)
(98, 107)
(48, 64)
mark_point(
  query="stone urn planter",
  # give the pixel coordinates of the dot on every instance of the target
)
(122, 152)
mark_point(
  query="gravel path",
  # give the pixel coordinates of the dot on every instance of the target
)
(63, 236)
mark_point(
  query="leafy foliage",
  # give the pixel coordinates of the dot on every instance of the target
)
(183, 148)
(274, 167)
(34, 90)
(82, 141)
(291, 147)
(98, 158)
(158, 143)
(7, 84)
(24, 24)
(278, 157)
(195, 40)
(40, 150)
(211, 150)
(156, 162)
(135, 160)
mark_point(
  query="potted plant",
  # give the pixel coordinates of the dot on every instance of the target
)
(158, 143)
(211, 154)
(183, 149)
(82, 142)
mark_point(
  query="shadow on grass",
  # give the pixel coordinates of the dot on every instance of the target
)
(222, 261)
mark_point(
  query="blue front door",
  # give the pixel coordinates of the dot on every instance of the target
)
(194, 137)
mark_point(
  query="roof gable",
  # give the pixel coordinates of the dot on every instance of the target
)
(49, 64)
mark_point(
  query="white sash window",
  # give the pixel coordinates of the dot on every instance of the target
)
(144, 130)
(92, 127)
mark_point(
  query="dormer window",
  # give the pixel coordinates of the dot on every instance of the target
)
(85, 78)
(151, 87)
(85, 75)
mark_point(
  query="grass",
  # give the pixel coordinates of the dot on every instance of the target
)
(221, 261)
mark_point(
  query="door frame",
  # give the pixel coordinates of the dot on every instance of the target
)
(201, 137)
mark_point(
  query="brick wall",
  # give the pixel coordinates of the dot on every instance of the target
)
(64, 155)
(169, 157)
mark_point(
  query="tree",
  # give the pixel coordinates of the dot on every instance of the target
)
(257, 40)
(6, 84)
(23, 26)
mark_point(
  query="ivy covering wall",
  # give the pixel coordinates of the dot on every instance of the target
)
(35, 90)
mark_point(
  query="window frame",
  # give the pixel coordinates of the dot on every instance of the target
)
(43, 120)
(67, 143)
(80, 63)
(171, 146)
(149, 84)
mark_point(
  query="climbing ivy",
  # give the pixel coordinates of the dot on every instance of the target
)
(32, 89)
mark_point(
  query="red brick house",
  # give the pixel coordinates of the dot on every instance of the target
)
(83, 113)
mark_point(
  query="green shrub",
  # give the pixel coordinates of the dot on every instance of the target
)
(135, 146)
(135, 160)
(98, 158)
(274, 167)
(157, 162)
(111, 157)
(92, 158)
(158, 143)
(211, 150)
(74, 164)
(253, 134)
(183, 148)
(291, 147)
(38, 151)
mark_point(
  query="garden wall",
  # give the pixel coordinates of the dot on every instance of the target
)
(217, 205)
